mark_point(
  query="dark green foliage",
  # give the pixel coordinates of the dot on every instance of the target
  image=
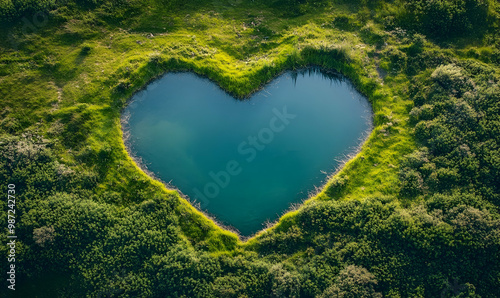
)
(285, 282)
(417, 44)
(457, 119)
(294, 8)
(83, 235)
(428, 243)
(343, 22)
(450, 77)
(353, 282)
(85, 50)
(447, 18)
(411, 183)
(44, 236)
(12, 9)
(397, 58)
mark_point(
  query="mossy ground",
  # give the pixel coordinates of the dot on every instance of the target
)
(77, 77)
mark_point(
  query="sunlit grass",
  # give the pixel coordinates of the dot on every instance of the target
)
(77, 74)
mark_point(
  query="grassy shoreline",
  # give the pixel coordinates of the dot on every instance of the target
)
(352, 153)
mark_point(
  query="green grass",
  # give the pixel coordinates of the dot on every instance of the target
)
(82, 74)
(69, 81)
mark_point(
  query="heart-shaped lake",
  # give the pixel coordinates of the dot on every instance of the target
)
(246, 161)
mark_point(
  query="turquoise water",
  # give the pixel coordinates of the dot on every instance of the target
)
(245, 162)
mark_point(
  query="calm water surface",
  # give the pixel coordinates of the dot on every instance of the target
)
(245, 162)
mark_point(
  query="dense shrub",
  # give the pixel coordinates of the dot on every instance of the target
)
(446, 18)
(353, 282)
(411, 183)
(87, 231)
(451, 77)
(11, 9)
(455, 120)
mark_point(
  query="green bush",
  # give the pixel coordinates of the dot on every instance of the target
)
(353, 282)
(411, 182)
(11, 9)
(446, 18)
(451, 77)
(457, 120)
